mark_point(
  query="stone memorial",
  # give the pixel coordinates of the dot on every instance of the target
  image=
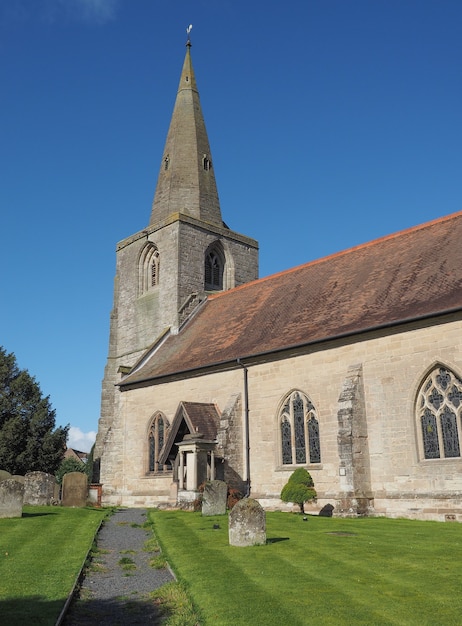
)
(214, 497)
(247, 524)
(75, 489)
(39, 489)
(4, 475)
(11, 498)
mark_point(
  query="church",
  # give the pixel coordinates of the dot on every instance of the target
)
(349, 366)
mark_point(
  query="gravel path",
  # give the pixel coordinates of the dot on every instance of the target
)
(111, 595)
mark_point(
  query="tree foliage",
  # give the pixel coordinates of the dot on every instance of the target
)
(29, 440)
(299, 488)
(70, 465)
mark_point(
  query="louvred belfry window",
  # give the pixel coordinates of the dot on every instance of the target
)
(213, 271)
(149, 266)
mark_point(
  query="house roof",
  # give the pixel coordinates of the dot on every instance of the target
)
(413, 273)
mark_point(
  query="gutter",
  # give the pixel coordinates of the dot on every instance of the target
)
(246, 425)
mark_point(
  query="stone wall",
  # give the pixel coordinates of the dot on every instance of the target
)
(137, 318)
(371, 383)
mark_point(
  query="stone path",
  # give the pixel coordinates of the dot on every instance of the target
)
(110, 594)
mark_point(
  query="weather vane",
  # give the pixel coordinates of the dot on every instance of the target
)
(188, 30)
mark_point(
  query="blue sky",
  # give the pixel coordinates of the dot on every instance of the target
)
(331, 123)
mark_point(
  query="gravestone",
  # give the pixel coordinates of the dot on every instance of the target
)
(214, 497)
(247, 524)
(4, 475)
(75, 489)
(11, 498)
(39, 489)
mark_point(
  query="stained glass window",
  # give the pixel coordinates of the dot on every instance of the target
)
(299, 430)
(157, 434)
(440, 407)
(449, 432)
(430, 435)
(313, 437)
(300, 445)
(286, 441)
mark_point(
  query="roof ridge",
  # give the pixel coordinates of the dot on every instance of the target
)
(368, 244)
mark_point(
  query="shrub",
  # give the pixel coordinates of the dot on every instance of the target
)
(234, 495)
(299, 488)
(67, 466)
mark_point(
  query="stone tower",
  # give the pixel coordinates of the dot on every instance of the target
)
(166, 270)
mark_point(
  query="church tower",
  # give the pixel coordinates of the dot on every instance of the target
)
(166, 270)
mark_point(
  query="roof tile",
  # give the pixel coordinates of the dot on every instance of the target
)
(410, 274)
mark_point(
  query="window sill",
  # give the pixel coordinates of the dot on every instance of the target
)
(167, 473)
(447, 459)
(291, 468)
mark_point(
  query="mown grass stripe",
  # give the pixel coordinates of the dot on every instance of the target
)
(377, 573)
(40, 556)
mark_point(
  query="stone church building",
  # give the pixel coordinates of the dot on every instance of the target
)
(350, 366)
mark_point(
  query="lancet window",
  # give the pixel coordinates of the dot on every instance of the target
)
(149, 268)
(157, 436)
(439, 408)
(214, 268)
(299, 428)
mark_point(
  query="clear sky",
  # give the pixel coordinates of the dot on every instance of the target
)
(331, 123)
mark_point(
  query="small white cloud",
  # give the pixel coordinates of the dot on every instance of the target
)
(52, 11)
(79, 440)
(91, 10)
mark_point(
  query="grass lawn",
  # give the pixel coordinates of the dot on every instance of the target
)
(41, 554)
(322, 571)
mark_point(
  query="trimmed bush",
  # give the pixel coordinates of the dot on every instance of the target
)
(299, 488)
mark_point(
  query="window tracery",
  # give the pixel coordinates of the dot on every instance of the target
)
(439, 405)
(299, 427)
(214, 267)
(157, 436)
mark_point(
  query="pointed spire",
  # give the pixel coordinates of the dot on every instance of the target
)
(186, 182)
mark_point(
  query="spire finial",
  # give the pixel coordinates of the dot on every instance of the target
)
(188, 30)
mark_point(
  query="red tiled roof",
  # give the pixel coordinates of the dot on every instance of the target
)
(203, 418)
(413, 273)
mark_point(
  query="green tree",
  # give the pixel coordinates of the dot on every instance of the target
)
(89, 465)
(70, 465)
(299, 488)
(29, 440)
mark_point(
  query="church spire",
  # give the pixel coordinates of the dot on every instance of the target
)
(186, 182)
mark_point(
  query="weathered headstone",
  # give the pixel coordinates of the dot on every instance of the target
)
(75, 489)
(4, 475)
(39, 488)
(11, 498)
(247, 523)
(214, 497)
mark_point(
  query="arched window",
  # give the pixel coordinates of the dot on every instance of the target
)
(439, 407)
(157, 436)
(154, 269)
(149, 268)
(299, 429)
(214, 267)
